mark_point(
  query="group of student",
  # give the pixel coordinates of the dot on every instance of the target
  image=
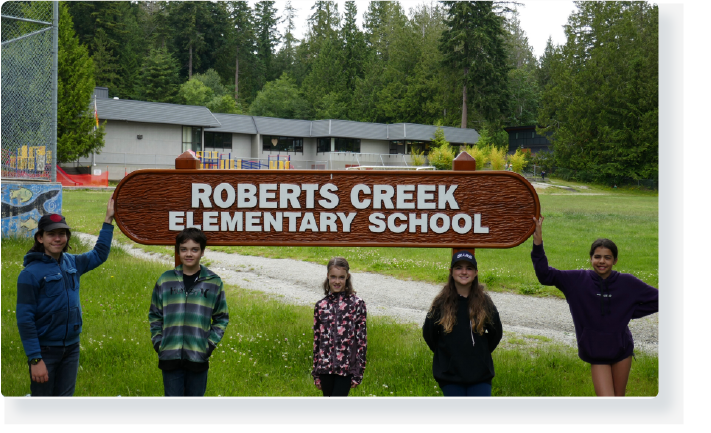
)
(188, 317)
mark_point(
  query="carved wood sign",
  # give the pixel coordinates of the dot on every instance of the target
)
(462, 209)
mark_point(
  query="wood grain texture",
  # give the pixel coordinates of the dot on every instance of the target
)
(505, 200)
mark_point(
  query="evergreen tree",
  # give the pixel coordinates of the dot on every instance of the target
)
(267, 37)
(237, 58)
(159, 77)
(545, 64)
(601, 104)
(76, 136)
(353, 47)
(286, 57)
(106, 69)
(474, 45)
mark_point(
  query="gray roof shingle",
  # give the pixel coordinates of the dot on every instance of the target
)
(154, 112)
(235, 123)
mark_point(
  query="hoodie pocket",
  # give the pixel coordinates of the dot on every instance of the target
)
(601, 346)
(53, 285)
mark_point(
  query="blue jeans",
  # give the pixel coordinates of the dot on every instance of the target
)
(62, 364)
(460, 390)
(184, 383)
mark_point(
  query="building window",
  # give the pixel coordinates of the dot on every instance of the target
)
(348, 145)
(418, 146)
(533, 134)
(397, 147)
(323, 145)
(192, 138)
(273, 143)
(219, 141)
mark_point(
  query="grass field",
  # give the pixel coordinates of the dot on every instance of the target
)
(267, 346)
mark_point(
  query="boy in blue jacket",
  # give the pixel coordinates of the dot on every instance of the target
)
(48, 308)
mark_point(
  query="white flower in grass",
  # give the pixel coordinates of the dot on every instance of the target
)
(385, 386)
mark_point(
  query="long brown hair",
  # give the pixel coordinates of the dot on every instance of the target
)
(341, 263)
(481, 307)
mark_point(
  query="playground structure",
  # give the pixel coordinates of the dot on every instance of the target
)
(224, 161)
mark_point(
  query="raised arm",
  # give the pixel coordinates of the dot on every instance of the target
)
(94, 258)
(546, 275)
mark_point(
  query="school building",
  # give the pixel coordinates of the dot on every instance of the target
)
(143, 134)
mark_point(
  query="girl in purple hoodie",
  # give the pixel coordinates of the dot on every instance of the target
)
(602, 303)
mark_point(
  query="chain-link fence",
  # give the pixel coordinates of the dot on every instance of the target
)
(29, 90)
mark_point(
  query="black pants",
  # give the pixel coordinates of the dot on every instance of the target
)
(333, 385)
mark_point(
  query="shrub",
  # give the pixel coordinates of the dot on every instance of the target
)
(518, 161)
(418, 158)
(497, 157)
(442, 155)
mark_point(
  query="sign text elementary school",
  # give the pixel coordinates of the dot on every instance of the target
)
(329, 208)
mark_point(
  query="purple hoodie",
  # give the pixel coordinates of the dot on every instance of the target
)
(601, 309)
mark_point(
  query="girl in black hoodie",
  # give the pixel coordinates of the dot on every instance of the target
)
(462, 328)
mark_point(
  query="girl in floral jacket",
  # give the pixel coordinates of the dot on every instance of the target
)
(340, 340)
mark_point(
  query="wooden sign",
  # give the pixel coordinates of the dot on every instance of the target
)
(453, 209)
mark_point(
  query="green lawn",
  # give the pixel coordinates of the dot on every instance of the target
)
(267, 346)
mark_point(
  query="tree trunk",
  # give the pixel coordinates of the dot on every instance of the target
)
(190, 63)
(237, 75)
(464, 99)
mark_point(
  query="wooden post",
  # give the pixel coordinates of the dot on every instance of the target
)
(186, 161)
(463, 162)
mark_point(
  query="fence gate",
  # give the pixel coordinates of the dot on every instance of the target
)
(29, 90)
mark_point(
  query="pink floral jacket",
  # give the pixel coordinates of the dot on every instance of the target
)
(340, 340)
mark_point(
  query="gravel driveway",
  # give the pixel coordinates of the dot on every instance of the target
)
(297, 282)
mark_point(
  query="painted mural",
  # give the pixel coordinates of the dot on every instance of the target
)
(23, 204)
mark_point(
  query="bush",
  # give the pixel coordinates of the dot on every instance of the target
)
(497, 157)
(478, 154)
(418, 158)
(518, 161)
(442, 155)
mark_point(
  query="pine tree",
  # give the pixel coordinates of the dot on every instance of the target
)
(267, 37)
(473, 45)
(106, 69)
(159, 77)
(76, 137)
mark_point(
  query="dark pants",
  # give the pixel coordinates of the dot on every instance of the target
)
(467, 390)
(62, 364)
(184, 383)
(333, 385)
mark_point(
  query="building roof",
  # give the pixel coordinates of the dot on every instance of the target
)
(235, 123)
(190, 115)
(155, 112)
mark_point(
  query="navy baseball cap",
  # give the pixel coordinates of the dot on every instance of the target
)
(51, 222)
(463, 256)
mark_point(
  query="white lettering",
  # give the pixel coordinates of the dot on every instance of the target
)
(246, 195)
(189, 221)
(266, 194)
(446, 196)
(217, 195)
(445, 223)
(228, 223)
(477, 224)
(201, 193)
(365, 189)
(175, 220)
(403, 193)
(310, 189)
(391, 223)
(209, 222)
(251, 221)
(467, 223)
(378, 221)
(383, 194)
(292, 219)
(346, 220)
(420, 222)
(327, 222)
(270, 221)
(425, 193)
(289, 193)
(331, 199)
(308, 222)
